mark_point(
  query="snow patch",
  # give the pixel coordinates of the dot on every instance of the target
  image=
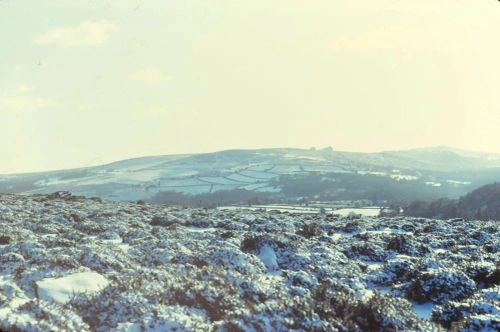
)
(366, 212)
(268, 257)
(423, 310)
(61, 289)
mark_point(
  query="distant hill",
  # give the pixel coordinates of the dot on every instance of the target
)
(481, 204)
(276, 174)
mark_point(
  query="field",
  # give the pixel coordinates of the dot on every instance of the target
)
(310, 209)
(285, 173)
(71, 263)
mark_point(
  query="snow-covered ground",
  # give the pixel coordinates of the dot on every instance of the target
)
(81, 264)
(367, 212)
(61, 289)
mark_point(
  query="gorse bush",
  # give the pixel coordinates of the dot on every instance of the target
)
(198, 269)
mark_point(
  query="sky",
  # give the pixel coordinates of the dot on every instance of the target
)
(90, 82)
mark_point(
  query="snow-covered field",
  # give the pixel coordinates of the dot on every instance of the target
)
(268, 171)
(79, 264)
(291, 208)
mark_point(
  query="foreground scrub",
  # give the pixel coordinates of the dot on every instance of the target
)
(79, 264)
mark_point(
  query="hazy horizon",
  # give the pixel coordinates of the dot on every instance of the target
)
(92, 82)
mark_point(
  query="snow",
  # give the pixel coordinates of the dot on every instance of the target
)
(372, 266)
(339, 235)
(484, 323)
(492, 293)
(156, 267)
(423, 310)
(372, 173)
(258, 175)
(400, 177)
(117, 242)
(286, 169)
(388, 231)
(139, 178)
(128, 327)
(367, 212)
(275, 207)
(268, 257)
(311, 209)
(325, 169)
(297, 157)
(458, 183)
(62, 289)
(18, 298)
(201, 229)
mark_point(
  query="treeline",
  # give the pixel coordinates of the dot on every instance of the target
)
(351, 186)
(314, 187)
(480, 204)
(224, 197)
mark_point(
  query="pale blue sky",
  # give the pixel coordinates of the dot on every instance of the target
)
(85, 82)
